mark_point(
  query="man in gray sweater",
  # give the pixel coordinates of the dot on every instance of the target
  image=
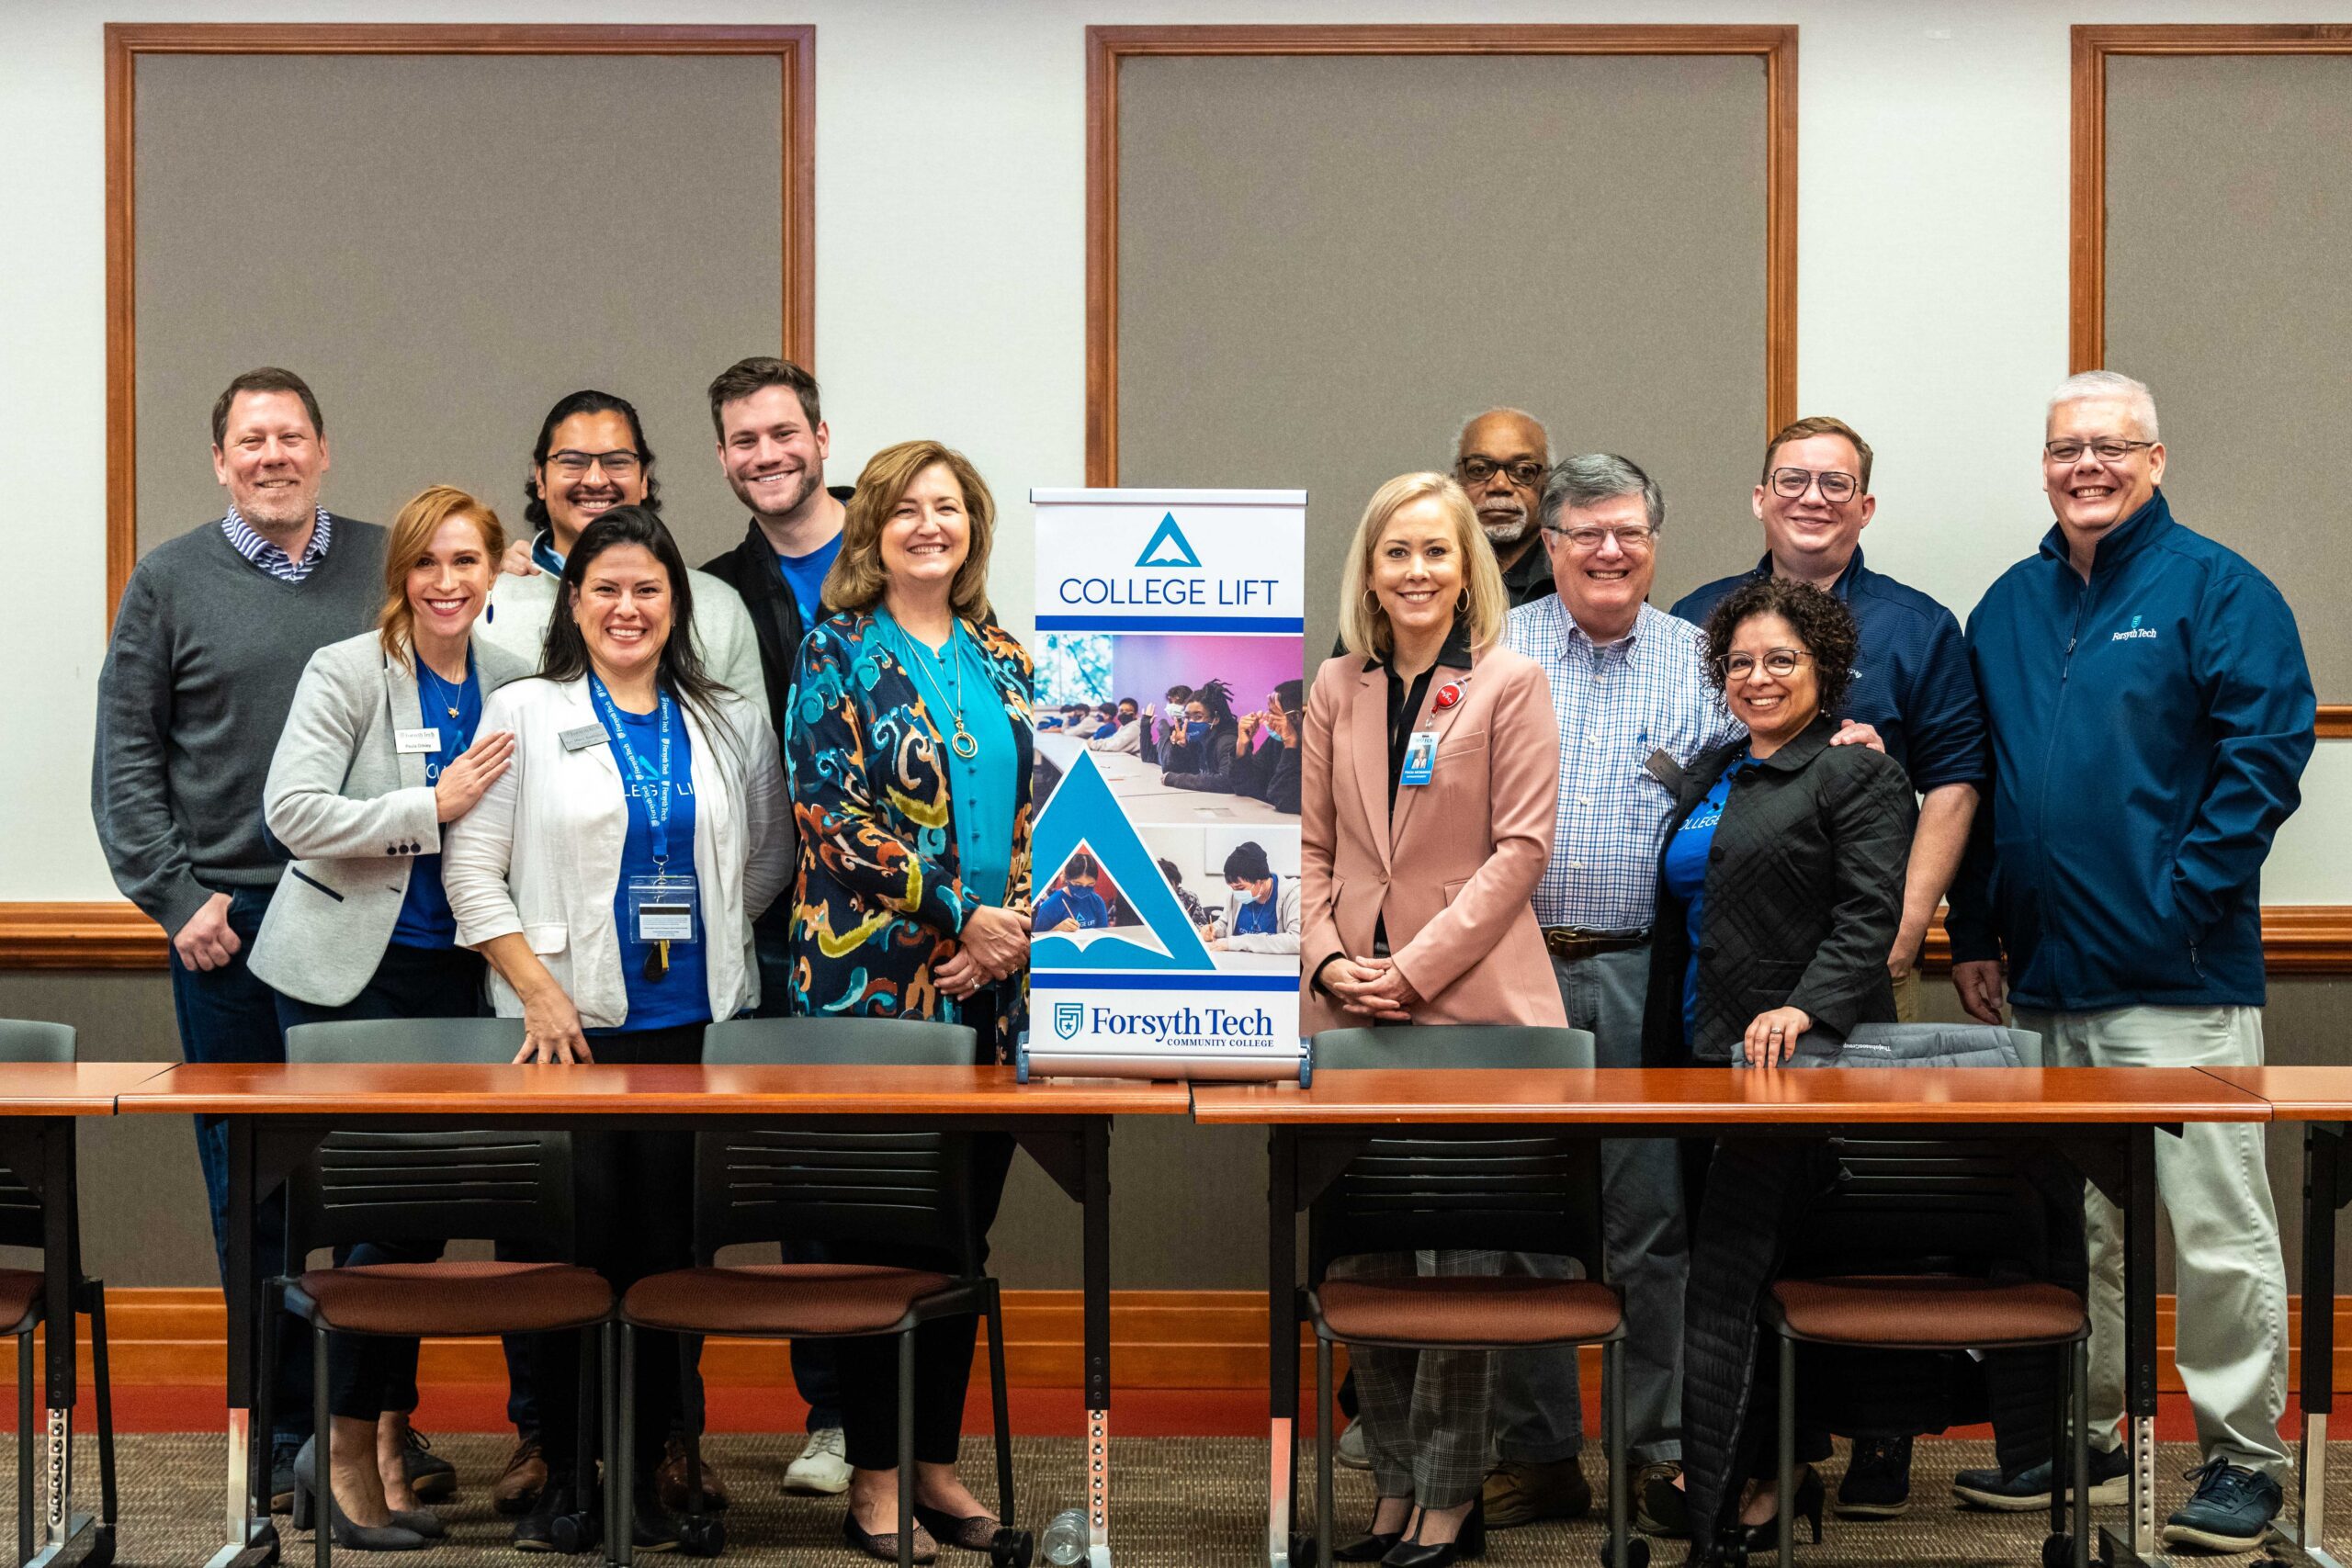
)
(212, 635)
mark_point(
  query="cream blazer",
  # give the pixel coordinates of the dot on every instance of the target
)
(1452, 876)
(542, 852)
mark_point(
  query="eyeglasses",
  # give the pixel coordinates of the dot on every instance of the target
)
(1779, 662)
(572, 464)
(1835, 487)
(1633, 541)
(1526, 473)
(2109, 448)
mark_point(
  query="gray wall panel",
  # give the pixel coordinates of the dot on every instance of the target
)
(1325, 264)
(445, 246)
(2229, 290)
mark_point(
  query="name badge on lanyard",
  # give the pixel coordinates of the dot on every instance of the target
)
(662, 907)
(423, 742)
(1420, 757)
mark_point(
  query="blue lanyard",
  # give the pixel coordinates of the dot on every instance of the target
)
(657, 806)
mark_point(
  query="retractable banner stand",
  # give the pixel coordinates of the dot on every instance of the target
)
(1164, 863)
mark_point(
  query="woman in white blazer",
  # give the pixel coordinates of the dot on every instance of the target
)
(611, 878)
(383, 746)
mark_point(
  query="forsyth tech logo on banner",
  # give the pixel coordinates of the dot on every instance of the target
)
(1162, 853)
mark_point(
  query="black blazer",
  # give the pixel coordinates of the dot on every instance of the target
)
(750, 568)
(1805, 891)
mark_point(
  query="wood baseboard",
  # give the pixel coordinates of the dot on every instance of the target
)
(2297, 938)
(1190, 1339)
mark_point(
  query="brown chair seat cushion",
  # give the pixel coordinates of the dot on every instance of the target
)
(1468, 1309)
(1932, 1310)
(457, 1297)
(780, 1298)
(19, 1294)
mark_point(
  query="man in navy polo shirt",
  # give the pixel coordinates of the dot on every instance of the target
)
(1913, 682)
(2150, 714)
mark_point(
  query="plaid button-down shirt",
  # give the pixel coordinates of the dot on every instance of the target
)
(256, 548)
(1616, 705)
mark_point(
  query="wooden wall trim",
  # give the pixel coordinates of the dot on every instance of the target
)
(795, 49)
(1160, 1340)
(2297, 938)
(2086, 247)
(1106, 47)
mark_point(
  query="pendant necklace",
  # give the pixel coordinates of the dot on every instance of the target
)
(963, 743)
(449, 697)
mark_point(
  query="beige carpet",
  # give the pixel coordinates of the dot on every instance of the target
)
(1176, 1503)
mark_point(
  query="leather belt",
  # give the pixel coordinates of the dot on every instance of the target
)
(1572, 942)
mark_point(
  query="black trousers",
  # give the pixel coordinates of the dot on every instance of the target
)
(869, 1364)
(369, 1374)
(636, 1219)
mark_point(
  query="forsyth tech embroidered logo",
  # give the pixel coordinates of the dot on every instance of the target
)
(2134, 630)
(1169, 547)
(1068, 1018)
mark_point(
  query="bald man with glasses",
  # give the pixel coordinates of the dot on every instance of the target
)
(1500, 458)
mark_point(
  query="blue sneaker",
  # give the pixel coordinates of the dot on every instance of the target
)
(2231, 1511)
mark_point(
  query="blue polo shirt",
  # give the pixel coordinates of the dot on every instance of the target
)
(1073, 903)
(1912, 681)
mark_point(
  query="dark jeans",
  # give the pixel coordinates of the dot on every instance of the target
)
(869, 1364)
(369, 1374)
(813, 1370)
(635, 1218)
(226, 1015)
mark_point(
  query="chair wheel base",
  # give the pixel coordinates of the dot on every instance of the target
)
(1637, 1554)
(2057, 1550)
(699, 1535)
(101, 1548)
(1302, 1548)
(1012, 1549)
(573, 1533)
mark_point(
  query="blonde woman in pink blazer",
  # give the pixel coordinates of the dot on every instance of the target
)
(1430, 776)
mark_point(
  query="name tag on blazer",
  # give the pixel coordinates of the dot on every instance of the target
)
(1662, 767)
(425, 741)
(582, 738)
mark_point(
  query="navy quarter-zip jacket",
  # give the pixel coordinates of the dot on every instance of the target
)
(2149, 729)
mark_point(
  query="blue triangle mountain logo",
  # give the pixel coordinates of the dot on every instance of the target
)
(1169, 547)
(1084, 812)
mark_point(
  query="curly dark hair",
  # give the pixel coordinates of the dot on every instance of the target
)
(1824, 624)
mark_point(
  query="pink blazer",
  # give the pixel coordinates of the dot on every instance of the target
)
(1453, 876)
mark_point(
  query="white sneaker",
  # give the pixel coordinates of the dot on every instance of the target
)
(823, 1468)
(1350, 1450)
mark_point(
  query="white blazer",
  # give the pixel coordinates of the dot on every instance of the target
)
(356, 812)
(541, 853)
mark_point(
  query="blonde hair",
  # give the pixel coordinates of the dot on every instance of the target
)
(857, 579)
(412, 535)
(1363, 625)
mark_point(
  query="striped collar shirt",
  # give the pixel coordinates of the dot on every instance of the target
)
(256, 548)
(1617, 704)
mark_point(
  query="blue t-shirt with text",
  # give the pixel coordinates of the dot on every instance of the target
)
(424, 917)
(683, 995)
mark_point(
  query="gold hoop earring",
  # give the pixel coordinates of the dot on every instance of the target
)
(1371, 603)
(1462, 604)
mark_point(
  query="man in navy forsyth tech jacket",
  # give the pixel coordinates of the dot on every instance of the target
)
(2150, 713)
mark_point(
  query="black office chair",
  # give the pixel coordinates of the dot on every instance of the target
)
(1437, 1189)
(434, 1187)
(22, 1224)
(1939, 1244)
(896, 1186)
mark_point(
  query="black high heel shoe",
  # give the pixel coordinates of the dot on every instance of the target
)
(1811, 1494)
(353, 1538)
(1469, 1542)
(1372, 1545)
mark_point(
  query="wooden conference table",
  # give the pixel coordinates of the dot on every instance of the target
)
(278, 1114)
(2104, 1121)
(39, 1105)
(2321, 1098)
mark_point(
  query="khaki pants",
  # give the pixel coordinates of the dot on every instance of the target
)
(2231, 1339)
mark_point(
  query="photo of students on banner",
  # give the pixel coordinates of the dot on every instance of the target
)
(1219, 741)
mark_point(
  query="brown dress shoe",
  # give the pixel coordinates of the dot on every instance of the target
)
(1521, 1493)
(670, 1480)
(518, 1488)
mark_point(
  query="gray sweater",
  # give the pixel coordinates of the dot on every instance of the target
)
(207, 652)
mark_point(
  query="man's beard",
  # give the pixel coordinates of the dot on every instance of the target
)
(277, 509)
(1510, 532)
(810, 484)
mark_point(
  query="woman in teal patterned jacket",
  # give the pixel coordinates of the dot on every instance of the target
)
(908, 746)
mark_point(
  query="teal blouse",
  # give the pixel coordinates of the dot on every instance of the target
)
(982, 789)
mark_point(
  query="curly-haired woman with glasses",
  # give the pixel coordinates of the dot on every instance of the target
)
(1780, 890)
